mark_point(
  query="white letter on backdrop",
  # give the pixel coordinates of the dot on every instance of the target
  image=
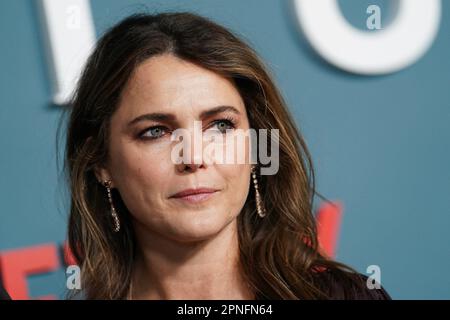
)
(70, 34)
(400, 44)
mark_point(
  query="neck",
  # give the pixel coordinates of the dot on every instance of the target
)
(207, 269)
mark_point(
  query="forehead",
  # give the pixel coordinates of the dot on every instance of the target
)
(167, 83)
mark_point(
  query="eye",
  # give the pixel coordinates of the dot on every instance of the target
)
(153, 132)
(223, 124)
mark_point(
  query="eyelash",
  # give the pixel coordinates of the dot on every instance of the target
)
(228, 120)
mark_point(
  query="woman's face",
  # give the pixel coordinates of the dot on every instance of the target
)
(174, 93)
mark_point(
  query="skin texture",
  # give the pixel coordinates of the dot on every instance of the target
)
(185, 250)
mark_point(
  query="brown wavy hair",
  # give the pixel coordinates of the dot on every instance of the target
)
(280, 253)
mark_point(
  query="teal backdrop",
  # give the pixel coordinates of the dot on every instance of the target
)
(380, 144)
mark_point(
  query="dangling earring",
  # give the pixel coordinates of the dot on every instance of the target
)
(107, 184)
(259, 205)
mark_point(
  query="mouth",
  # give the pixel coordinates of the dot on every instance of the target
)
(194, 195)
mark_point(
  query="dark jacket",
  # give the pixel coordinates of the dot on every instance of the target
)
(3, 294)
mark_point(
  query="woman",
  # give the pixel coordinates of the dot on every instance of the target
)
(144, 226)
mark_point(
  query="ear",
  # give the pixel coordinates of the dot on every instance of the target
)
(102, 174)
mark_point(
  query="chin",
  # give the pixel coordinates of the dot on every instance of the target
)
(198, 228)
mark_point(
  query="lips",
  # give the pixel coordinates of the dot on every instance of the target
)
(190, 192)
(194, 196)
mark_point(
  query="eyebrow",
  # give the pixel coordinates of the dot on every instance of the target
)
(170, 117)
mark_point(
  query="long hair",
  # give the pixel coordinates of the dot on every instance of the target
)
(280, 253)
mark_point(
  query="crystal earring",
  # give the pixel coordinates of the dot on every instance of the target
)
(259, 205)
(107, 184)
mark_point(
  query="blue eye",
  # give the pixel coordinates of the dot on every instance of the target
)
(224, 124)
(155, 132)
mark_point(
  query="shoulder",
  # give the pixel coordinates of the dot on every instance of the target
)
(345, 285)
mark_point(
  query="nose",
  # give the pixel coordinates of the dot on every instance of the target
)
(191, 152)
(192, 164)
(188, 167)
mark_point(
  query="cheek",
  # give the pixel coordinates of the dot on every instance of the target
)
(238, 182)
(140, 170)
(231, 148)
